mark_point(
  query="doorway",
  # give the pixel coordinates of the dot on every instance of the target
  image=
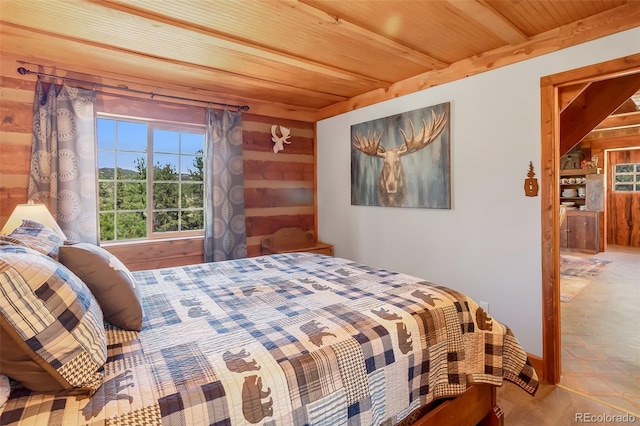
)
(558, 92)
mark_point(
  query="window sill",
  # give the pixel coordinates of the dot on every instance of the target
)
(150, 241)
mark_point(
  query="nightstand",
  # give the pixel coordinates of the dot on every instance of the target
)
(289, 240)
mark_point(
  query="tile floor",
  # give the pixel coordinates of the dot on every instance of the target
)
(601, 333)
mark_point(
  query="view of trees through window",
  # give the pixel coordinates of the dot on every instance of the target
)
(137, 201)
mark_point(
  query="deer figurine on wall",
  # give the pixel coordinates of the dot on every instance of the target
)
(392, 185)
(279, 141)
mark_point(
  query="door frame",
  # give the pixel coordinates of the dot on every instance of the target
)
(552, 88)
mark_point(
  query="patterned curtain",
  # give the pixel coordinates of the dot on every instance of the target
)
(224, 229)
(63, 159)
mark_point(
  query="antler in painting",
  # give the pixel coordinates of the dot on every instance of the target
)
(392, 185)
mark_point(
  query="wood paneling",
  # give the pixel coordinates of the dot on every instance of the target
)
(278, 197)
(16, 116)
(272, 170)
(279, 191)
(351, 54)
(623, 209)
(261, 226)
(158, 254)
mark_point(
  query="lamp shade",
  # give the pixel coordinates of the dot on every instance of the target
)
(36, 212)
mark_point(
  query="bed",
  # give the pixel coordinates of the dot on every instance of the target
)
(291, 339)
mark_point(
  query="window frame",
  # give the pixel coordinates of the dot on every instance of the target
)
(634, 173)
(151, 124)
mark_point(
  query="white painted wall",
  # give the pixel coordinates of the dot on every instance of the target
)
(488, 244)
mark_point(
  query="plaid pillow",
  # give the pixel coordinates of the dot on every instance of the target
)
(51, 326)
(38, 237)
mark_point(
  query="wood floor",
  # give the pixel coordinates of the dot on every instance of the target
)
(553, 406)
(600, 350)
(600, 336)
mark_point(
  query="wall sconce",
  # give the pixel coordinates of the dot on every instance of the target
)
(531, 183)
(279, 141)
(35, 212)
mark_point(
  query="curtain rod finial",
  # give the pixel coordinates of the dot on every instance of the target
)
(23, 71)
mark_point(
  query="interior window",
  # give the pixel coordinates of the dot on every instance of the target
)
(626, 178)
(138, 201)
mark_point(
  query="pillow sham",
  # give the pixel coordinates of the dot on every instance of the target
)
(109, 280)
(38, 237)
(51, 326)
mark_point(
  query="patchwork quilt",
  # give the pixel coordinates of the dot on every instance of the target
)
(287, 339)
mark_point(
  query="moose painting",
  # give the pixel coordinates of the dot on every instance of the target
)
(402, 160)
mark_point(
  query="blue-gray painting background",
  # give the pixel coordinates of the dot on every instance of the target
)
(427, 171)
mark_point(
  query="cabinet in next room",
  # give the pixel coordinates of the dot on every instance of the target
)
(582, 230)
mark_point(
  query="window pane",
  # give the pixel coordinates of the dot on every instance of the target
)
(638, 168)
(106, 164)
(176, 176)
(623, 187)
(192, 195)
(624, 178)
(107, 196)
(106, 226)
(192, 168)
(165, 195)
(131, 166)
(165, 221)
(166, 141)
(192, 220)
(624, 168)
(132, 136)
(165, 167)
(192, 143)
(106, 133)
(131, 225)
(131, 196)
(637, 187)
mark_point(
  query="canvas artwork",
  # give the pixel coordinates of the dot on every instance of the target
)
(403, 160)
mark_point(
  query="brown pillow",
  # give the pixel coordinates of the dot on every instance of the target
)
(109, 280)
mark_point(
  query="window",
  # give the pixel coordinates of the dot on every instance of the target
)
(138, 202)
(626, 178)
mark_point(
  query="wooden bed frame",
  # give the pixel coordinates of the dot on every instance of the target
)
(477, 406)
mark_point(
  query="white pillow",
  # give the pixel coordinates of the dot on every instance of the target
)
(5, 389)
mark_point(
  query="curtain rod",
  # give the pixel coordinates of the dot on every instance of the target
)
(24, 71)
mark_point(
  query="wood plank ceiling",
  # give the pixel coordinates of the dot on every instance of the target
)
(296, 58)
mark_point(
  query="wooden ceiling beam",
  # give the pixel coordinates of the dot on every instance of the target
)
(134, 16)
(481, 12)
(628, 106)
(10, 61)
(596, 26)
(355, 30)
(601, 98)
(570, 94)
(610, 133)
(630, 119)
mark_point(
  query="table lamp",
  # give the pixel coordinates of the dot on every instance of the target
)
(31, 211)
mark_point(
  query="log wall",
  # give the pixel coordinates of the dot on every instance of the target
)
(279, 188)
